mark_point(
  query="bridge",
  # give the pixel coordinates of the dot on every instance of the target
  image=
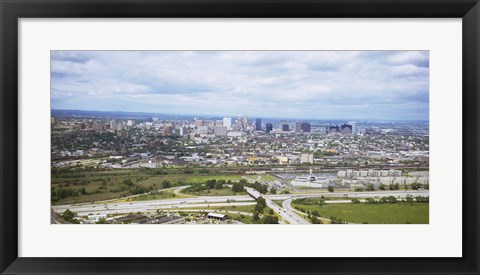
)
(289, 216)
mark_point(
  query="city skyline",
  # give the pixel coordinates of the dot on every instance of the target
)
(368, 85)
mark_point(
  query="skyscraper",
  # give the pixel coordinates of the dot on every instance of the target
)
(268, 127)
(258, 124)
(244, 122)
(285, 127)
(346, 129)
(354, 127)
(298, 127)
(227, 121)
(305, 127)
(220, 131)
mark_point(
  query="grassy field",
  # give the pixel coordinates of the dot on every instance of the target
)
(105, 185)
(217, 192)
(398, 213)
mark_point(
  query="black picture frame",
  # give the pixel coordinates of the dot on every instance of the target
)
(12, 10)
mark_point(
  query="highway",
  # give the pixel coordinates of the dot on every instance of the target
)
(289, 216)
(213, 201)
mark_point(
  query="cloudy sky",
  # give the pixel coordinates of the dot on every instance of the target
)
(386, 85)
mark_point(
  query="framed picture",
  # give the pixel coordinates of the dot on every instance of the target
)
(239, 137)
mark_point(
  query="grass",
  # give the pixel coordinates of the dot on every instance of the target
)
(106, 185)
(398, 213)
(217, 192)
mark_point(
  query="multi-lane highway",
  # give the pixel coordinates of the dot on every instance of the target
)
(213, 201)
(289, 216)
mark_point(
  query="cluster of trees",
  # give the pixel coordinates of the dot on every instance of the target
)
(259, 208)
(62, 193)
(237, 187)
(262, 188)
(69, 216)
(313, 219)
(310, 201)
(213, 184)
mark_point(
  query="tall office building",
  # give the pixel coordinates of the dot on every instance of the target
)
(268, 127)
(346, 129)
(220, 131)
(298, 127)
(227, 121)
(354, 127)
(244, 122)
(219, 122)
(285, 127)
(306, 127)
(258, 124)
(113, 124)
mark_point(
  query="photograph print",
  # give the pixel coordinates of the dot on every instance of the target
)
(239, 137)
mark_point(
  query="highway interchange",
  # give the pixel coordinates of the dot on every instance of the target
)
(204, 202)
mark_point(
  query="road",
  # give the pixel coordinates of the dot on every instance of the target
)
(197, 202)
(289, 216)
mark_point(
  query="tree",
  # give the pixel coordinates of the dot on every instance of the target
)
(69, 216)
(82, 191)
(269, 219)
(330, 189)
(237, 187)
(166, 184)
(409, 199)
(273, 190)
(218, 185)
(370, 187)
(210, 183)
(243, 181)
(382, 187)
(261, 204)
(315, 220)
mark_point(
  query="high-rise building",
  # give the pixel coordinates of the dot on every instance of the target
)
(219, 122)
(220, 131)
(346, 129)
(258, 124)
(305, 127)
(183, 131)
(268, 127)
(354, 127)
(285, 127)
(113, 124)
(298, 127)
(244, 122)
(333, 130)
(130, 122)
(53, 120)
(227, 121)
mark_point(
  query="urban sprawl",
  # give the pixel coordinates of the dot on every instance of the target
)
(140, 168)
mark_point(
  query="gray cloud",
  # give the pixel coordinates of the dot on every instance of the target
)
(313, 84)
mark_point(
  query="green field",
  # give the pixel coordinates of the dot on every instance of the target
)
(385, 213)
(216, 192)
(106, 185)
